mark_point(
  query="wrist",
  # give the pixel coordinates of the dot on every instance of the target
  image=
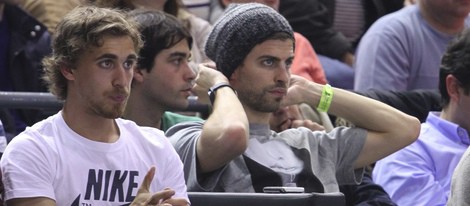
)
(213, 90)
(313, 94)
(325, 98)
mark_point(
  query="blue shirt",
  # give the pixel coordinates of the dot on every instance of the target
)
(400, 52)
(420, 174)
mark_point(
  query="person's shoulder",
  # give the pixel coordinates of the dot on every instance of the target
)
(137, 130)
(146, 137)
(170, 119)
(396, 22)
(40, 136)
(438, 132)
(180, 117)
(45, 128)
(185, 127)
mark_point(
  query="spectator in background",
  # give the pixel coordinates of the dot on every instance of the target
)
(200, 8)
(162, 79)
(23, 43)
(315, 20)
(420, 174)
(318, 20)
(312, 19)
(85, 154)
(253, 46)
(49, 12)
(197, 27)
(401, 51)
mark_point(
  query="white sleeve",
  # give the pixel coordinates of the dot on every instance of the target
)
(26, 168)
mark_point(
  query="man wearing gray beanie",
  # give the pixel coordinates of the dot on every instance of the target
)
(235, 150)
(229, 43)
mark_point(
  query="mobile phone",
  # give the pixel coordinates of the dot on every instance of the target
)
(274, 189)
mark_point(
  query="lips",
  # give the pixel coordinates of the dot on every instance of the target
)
(187, 91)
(119, 98)
(278, 91)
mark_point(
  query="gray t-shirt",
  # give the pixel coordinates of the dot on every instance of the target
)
(331, 156)
(460, 186)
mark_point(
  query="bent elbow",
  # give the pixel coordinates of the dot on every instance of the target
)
(413, 129)
(235, 139)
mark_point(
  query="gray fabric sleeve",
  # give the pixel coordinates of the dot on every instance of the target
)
(460, 186)
(184, 139)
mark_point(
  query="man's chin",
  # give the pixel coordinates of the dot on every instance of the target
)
(179, 106)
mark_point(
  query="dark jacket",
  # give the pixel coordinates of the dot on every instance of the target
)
(314, 19)
(29, 43)
(366, 194)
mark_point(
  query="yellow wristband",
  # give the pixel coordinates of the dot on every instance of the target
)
(325, 99)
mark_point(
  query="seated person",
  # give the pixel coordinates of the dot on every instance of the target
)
(85, 154)
(162, 79)
(420, 174)
(402, 51)
(235, 150)
(306, 62)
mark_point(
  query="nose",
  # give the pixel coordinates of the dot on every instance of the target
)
(122, 77)
(283, 74)
(190, 71)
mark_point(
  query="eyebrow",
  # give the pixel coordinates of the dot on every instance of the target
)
(179, 54)
(113, 56)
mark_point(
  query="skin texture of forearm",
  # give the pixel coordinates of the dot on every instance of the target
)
(388, 129)
(225, 133)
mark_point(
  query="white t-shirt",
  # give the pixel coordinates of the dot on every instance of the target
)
(51, 160)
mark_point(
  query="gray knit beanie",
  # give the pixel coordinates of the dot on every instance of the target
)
(239, 30)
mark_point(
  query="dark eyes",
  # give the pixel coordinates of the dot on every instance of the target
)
(179, 61)
(129, 64)
(273, 62)
(109, 64)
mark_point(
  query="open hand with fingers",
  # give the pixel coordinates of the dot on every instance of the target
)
(162, 198)
(291, 117)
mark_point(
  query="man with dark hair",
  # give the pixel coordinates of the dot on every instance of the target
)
(235, 150)
(85, 154)
(163, 78)
(420, 173)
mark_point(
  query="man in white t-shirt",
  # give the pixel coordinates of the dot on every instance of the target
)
(86, 154)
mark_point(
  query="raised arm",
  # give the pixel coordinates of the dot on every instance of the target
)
(225, 133)
(388, 129)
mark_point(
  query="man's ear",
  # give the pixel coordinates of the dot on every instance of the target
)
(67, 71)
(453, 86)
(139, 75)
(235, 77)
